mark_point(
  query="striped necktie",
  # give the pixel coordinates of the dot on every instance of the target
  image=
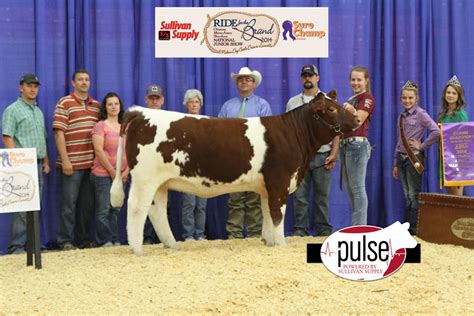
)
(242, 107)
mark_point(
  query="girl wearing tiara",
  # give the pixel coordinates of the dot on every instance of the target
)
(452, 111)
(411, 124)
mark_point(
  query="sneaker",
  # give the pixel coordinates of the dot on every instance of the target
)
(188, 238)
(201, 238)
(147, 242)
(18, 251)
(68, 246)
(108, 244)
(300, 233)
(117, 243)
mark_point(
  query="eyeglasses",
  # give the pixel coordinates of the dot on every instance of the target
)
(245, 79)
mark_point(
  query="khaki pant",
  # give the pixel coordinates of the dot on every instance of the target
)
(244, 208)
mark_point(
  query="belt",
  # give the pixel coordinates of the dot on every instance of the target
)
(354, 139)
(405, 156)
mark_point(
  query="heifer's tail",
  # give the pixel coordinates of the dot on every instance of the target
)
(117, 194)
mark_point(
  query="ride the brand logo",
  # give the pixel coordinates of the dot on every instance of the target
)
(367, 253)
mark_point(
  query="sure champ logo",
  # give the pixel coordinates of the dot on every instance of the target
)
(367, 253)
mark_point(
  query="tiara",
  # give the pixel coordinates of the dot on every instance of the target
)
(454, 81)
(410, 85)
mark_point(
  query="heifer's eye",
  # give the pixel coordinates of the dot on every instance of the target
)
(332, 110)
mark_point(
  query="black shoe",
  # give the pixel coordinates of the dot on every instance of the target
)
(300, 233)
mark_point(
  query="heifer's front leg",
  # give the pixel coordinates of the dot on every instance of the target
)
(279, 229)
(138, 204)
(268, 236)
(159, 218)
(273, 233)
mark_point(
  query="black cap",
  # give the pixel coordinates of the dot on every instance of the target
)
(310, 69)
(29, 78)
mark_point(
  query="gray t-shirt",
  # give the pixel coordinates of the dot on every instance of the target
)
(297, 101)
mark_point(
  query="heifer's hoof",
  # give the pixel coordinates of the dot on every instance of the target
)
(280, 242)
(173, 245)
(268, 242)
(138, 252)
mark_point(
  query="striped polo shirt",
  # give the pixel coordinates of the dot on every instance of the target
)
(76, 118)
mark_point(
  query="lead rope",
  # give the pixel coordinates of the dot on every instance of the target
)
(343, 161)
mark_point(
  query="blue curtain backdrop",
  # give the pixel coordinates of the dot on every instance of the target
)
(420, 40)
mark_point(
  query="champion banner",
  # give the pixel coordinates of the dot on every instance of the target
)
(457, 141)
(241, 32)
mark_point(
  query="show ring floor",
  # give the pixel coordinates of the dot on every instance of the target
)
(230, 276)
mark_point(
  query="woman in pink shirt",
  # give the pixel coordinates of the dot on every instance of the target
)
(105, 137)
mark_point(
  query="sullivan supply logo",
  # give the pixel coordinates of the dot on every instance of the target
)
(177, 30)
(232, 32)
(367, 253)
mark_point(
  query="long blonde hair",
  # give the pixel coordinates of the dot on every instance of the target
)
(363, 70)
(460, 103)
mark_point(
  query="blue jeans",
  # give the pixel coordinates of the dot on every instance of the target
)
(322, 184)
(357, 156)
(194, 216)
(411, 183)
(76, 208)
(106, 226)
(18, 223)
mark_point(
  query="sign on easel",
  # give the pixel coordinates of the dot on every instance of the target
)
(19, 192)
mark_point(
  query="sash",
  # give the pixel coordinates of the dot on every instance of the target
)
(413, 159)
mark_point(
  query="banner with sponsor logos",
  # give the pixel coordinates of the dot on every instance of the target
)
(241, 32)
(19, 189)
(457, 141)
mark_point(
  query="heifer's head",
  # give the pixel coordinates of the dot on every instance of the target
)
(332, 115)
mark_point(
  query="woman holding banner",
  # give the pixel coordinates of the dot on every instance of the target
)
(452, 111)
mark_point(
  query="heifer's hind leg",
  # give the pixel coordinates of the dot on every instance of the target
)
(139, 202)
(159, 218)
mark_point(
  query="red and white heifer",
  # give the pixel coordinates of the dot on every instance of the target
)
(210, 156)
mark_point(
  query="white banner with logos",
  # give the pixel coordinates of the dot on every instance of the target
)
(241, 32)
(19, 189)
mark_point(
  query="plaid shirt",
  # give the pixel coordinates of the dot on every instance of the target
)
(25, 124)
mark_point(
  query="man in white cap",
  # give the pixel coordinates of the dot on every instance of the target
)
(245, 207)
(154, 98)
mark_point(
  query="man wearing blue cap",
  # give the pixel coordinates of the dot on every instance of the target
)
(23, 127)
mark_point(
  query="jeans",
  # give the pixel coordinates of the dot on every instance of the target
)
(76, 208)
(194, 216)
(18, 223)
(357, 155)
(106, 226)
(244, 208)
(411, 183)
(322, 184)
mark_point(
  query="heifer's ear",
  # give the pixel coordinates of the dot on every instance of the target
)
(332, 94)
(318, 103)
